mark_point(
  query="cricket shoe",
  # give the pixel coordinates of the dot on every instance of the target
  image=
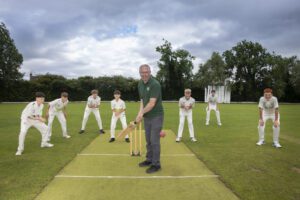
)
(207, 123)
(193, 139)
(127, 140)
(81, 131)
(112, 139)
(153, 169)
(18, 153)
(177, 139)
(219, 124)
(260, 143)
(276, 145)
(145, 163)
(101, 131)
(46, 144)
(67, 136)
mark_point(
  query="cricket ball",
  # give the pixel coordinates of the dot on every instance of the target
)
(162, 134)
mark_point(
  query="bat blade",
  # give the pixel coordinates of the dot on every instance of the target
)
(126, 131)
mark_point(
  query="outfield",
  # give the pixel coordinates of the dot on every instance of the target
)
(250, 172)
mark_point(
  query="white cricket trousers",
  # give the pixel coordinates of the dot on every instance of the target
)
(113, 124)
(276, 130)
(189, 116)
(25, 125)
(86, 115)
(212, 107)
(62, 120)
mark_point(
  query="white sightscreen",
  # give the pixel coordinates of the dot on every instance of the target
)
(223, 93)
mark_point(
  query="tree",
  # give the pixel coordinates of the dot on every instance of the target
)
(247, 65)
(295, 77)
(212, 72)
(10, 62)
(175, 69)
(279, 74)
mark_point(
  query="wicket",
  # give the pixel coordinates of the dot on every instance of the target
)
(137, 141)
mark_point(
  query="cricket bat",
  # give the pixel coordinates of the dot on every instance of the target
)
(131, 126)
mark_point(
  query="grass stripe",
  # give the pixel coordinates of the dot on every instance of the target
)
(109, 154)
(137, 177)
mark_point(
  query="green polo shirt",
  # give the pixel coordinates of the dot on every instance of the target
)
(151, 89)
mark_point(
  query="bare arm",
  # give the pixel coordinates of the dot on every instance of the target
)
(276, 122)
(139, 117)
(276, 114)
(145, 109)
(141, 107)
(150, 105)
(260, 113)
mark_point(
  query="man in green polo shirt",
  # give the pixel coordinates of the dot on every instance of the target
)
(151, 110)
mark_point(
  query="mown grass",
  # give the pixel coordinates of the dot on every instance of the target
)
(251, 172)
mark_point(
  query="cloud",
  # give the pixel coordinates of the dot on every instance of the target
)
(75, 38)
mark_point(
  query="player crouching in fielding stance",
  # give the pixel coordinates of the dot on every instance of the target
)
(268, 109)
(32, 116)
(212, 105)
(57, 108)
(186, 104)
(92, 105)
(118, 108)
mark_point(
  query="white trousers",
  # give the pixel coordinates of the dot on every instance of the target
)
(113, 124)
(25, 125)
(62, 120)
(189, 116)
(86, 115)
(276, 130)
(212, 107)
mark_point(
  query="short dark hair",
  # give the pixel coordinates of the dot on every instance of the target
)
(117, 92)
(39, 94)
(64, 94)
(213, 90)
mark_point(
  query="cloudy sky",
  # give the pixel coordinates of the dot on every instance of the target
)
(113, 37)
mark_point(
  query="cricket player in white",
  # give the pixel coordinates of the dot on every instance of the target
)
(268, 110)
(32, 116)
(186, 104)
(213, 105)
(57, 108)
(92, 105)
(118, 108)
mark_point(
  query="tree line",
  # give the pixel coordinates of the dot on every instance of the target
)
(247, 68)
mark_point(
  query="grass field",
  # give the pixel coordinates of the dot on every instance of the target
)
(229, 151)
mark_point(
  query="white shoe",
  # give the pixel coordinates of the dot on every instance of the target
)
(276, 145)
(46, 144)
(260, 142)
(220, 124)
(177, 139)
(193, 139)
(19, 153)
(207, 123)
(67, 136)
